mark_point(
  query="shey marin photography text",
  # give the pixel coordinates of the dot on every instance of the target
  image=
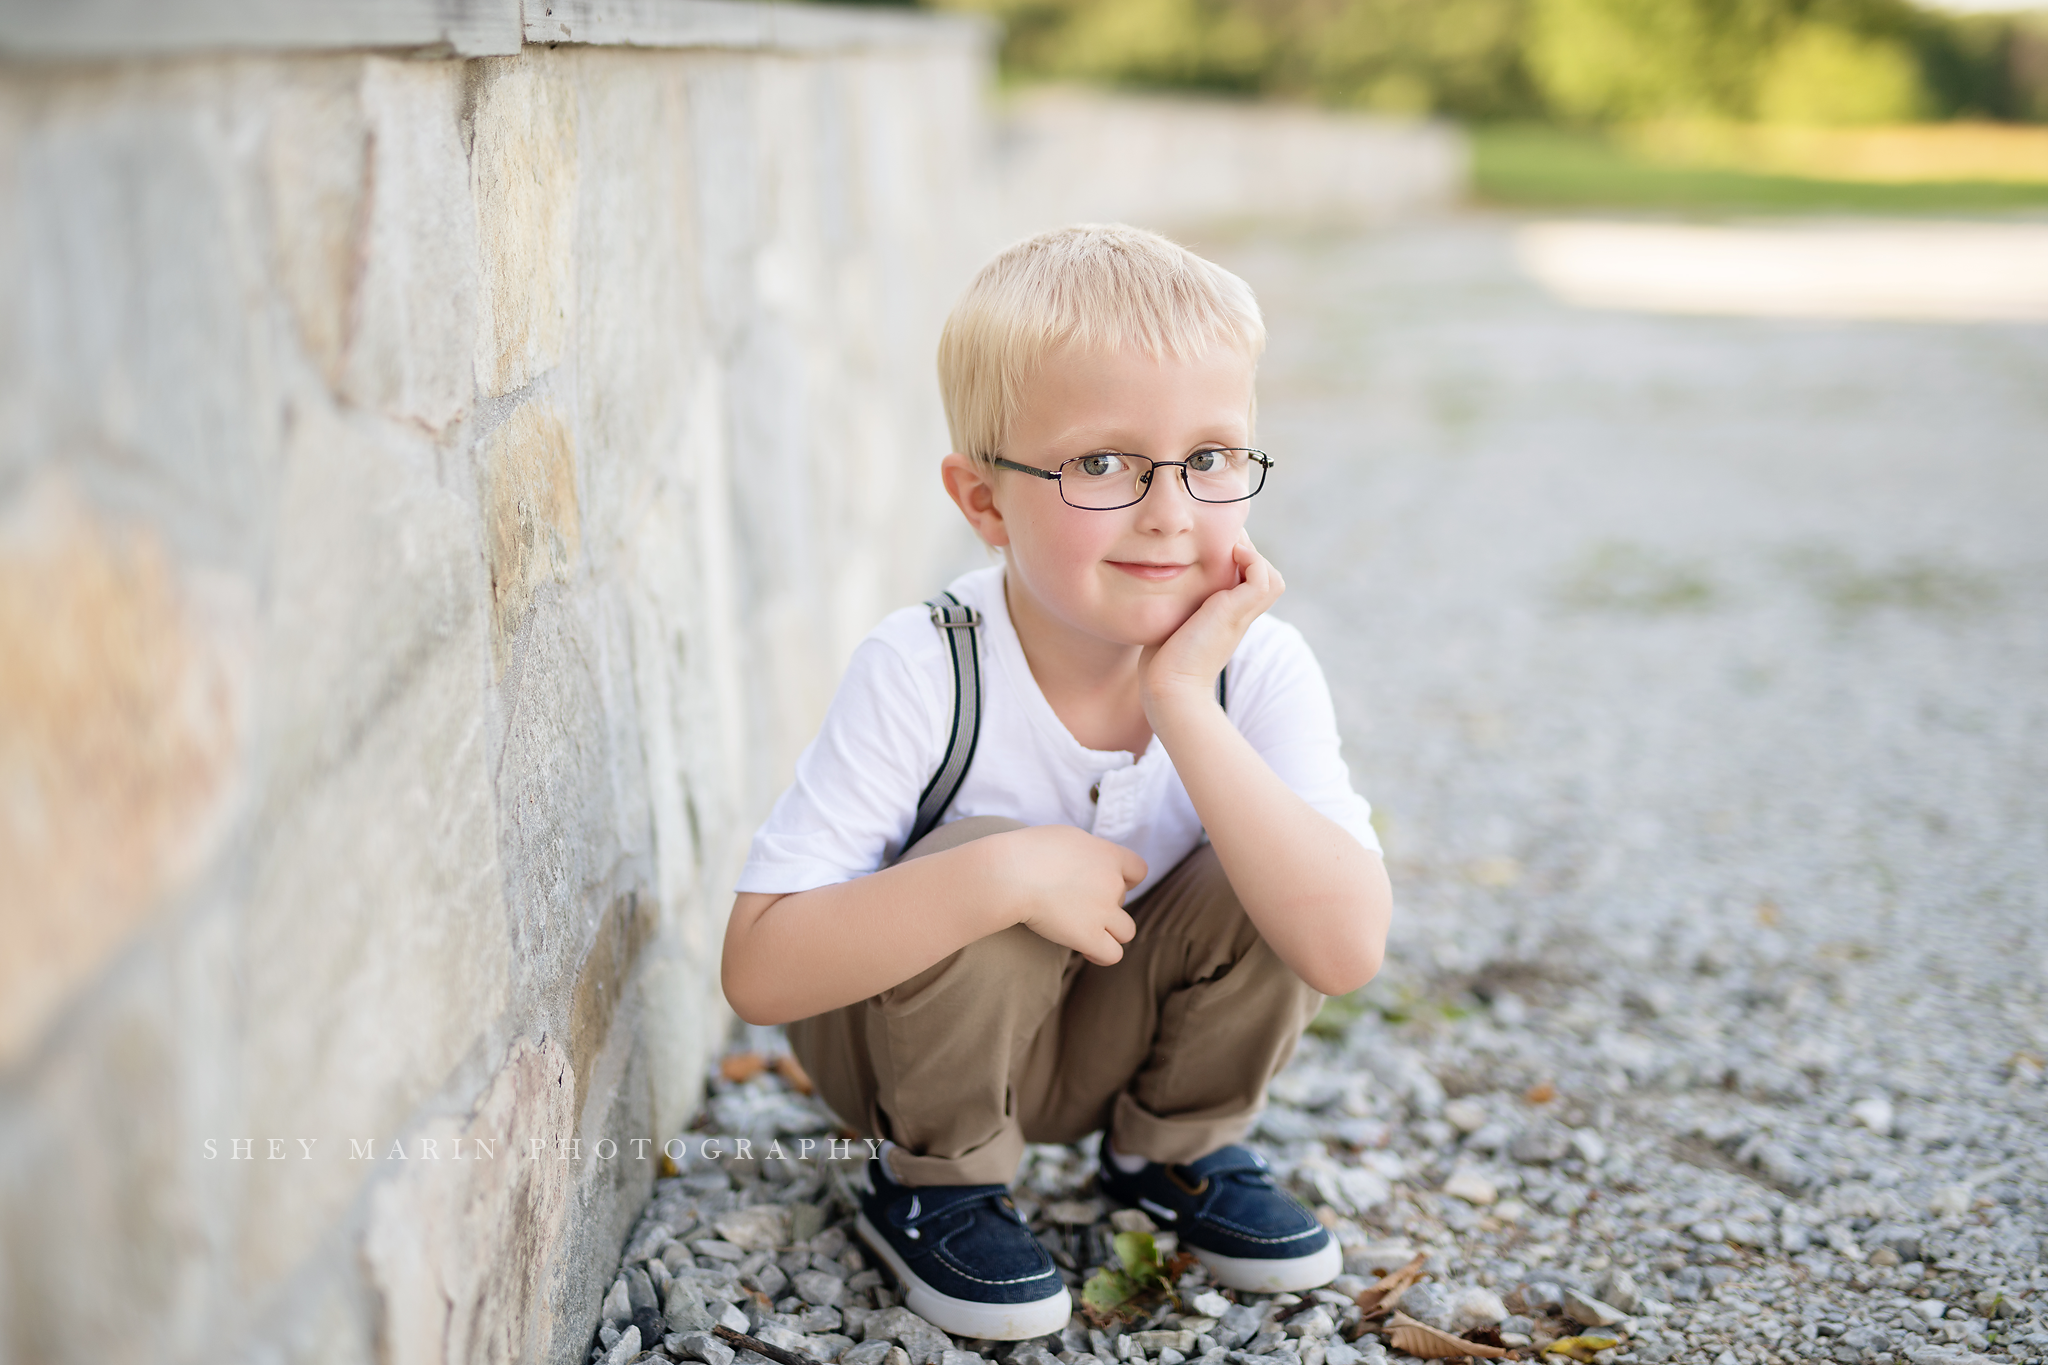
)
(676, 1149)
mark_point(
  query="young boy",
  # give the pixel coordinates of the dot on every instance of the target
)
(1149, 877)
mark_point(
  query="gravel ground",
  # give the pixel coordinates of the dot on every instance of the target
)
(1698, 669)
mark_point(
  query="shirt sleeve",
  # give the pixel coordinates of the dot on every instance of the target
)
(1281, 705)
(854, 798)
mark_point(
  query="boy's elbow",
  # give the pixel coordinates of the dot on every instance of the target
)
(741, 1000)
(1343, 973)
(753, 1000)
(746, 992)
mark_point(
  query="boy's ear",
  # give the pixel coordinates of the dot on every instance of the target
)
(973, 490)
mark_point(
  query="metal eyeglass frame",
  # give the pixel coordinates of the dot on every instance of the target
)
(1265, 463)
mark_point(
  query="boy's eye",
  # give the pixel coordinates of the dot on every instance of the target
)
(1205, 462)
(1097, 466)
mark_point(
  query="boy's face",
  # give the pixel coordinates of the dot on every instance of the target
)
(1130, 576)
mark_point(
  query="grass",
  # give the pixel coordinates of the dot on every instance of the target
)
(1521, 165)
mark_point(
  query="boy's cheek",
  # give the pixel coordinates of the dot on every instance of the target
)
(1219, 569)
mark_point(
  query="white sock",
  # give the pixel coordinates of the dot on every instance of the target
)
(1129, 1165)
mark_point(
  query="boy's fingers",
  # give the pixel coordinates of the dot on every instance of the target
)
(1134, 868)
(1107, 955)
(1122, 927)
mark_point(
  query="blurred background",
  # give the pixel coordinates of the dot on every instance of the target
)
(1759, 104)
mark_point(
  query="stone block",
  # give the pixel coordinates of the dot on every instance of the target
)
(375, 948)
(601, 984)
(524, 172)
(532, 524)
(412, 323)
(318, 171)
(461, 1256)
(148, 372)
(107, 1178)
(125, 683)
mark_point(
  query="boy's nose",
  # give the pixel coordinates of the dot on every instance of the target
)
(1166, 495)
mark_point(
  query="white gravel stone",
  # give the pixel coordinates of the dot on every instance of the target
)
(1951, 1201)
(1874, 1113)
(627, 1346)
(1588, 1311)
(1467, 1116)
(763, 1227)
(1477, 1307)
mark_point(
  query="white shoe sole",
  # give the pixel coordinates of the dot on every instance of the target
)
(1262, 1276)
(965, 1317)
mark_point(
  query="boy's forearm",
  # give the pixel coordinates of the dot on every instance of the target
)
(1318, 896)
(790, 957)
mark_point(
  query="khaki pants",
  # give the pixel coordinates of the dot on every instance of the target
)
(1015, 1039)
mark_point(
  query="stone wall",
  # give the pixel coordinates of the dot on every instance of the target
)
(446, 455)
(1070, 155)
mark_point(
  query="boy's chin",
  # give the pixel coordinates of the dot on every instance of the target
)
(1153, 633)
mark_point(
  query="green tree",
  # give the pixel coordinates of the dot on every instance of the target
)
(1588, 61)
(1411, 56)
(1821, 74)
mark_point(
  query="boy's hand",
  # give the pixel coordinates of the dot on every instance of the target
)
(1185, 664)
(1069, 886)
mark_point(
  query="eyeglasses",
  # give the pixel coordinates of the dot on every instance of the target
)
(1106, 480)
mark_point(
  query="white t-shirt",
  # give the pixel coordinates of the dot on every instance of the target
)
(855, 794)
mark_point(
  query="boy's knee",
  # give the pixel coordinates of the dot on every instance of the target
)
(1210, 900)
(1010, 964)
(1016, 954)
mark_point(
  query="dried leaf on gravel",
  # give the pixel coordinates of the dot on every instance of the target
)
(1382, 1295)
(1420, 1339)
(1580, 1348)
(1543, 1092)
(741, 1067)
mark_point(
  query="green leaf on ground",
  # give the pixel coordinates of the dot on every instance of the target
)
(1143, 1280)
(1140, 1257)
(1107, 1290)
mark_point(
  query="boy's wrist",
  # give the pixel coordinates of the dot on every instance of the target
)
(1177, 705)
(990, 901)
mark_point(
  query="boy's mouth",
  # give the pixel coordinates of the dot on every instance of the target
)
(1151, 573)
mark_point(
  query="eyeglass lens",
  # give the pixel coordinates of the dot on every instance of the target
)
(1104, 481)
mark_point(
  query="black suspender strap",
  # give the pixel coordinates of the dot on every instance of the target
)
(959, 624)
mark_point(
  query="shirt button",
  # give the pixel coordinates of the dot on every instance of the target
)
(1095, 792)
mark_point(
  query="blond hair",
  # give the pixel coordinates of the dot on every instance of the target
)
(1101, 287)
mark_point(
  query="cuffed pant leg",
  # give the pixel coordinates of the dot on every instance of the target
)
(1171, 1048)
(934, 1062)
